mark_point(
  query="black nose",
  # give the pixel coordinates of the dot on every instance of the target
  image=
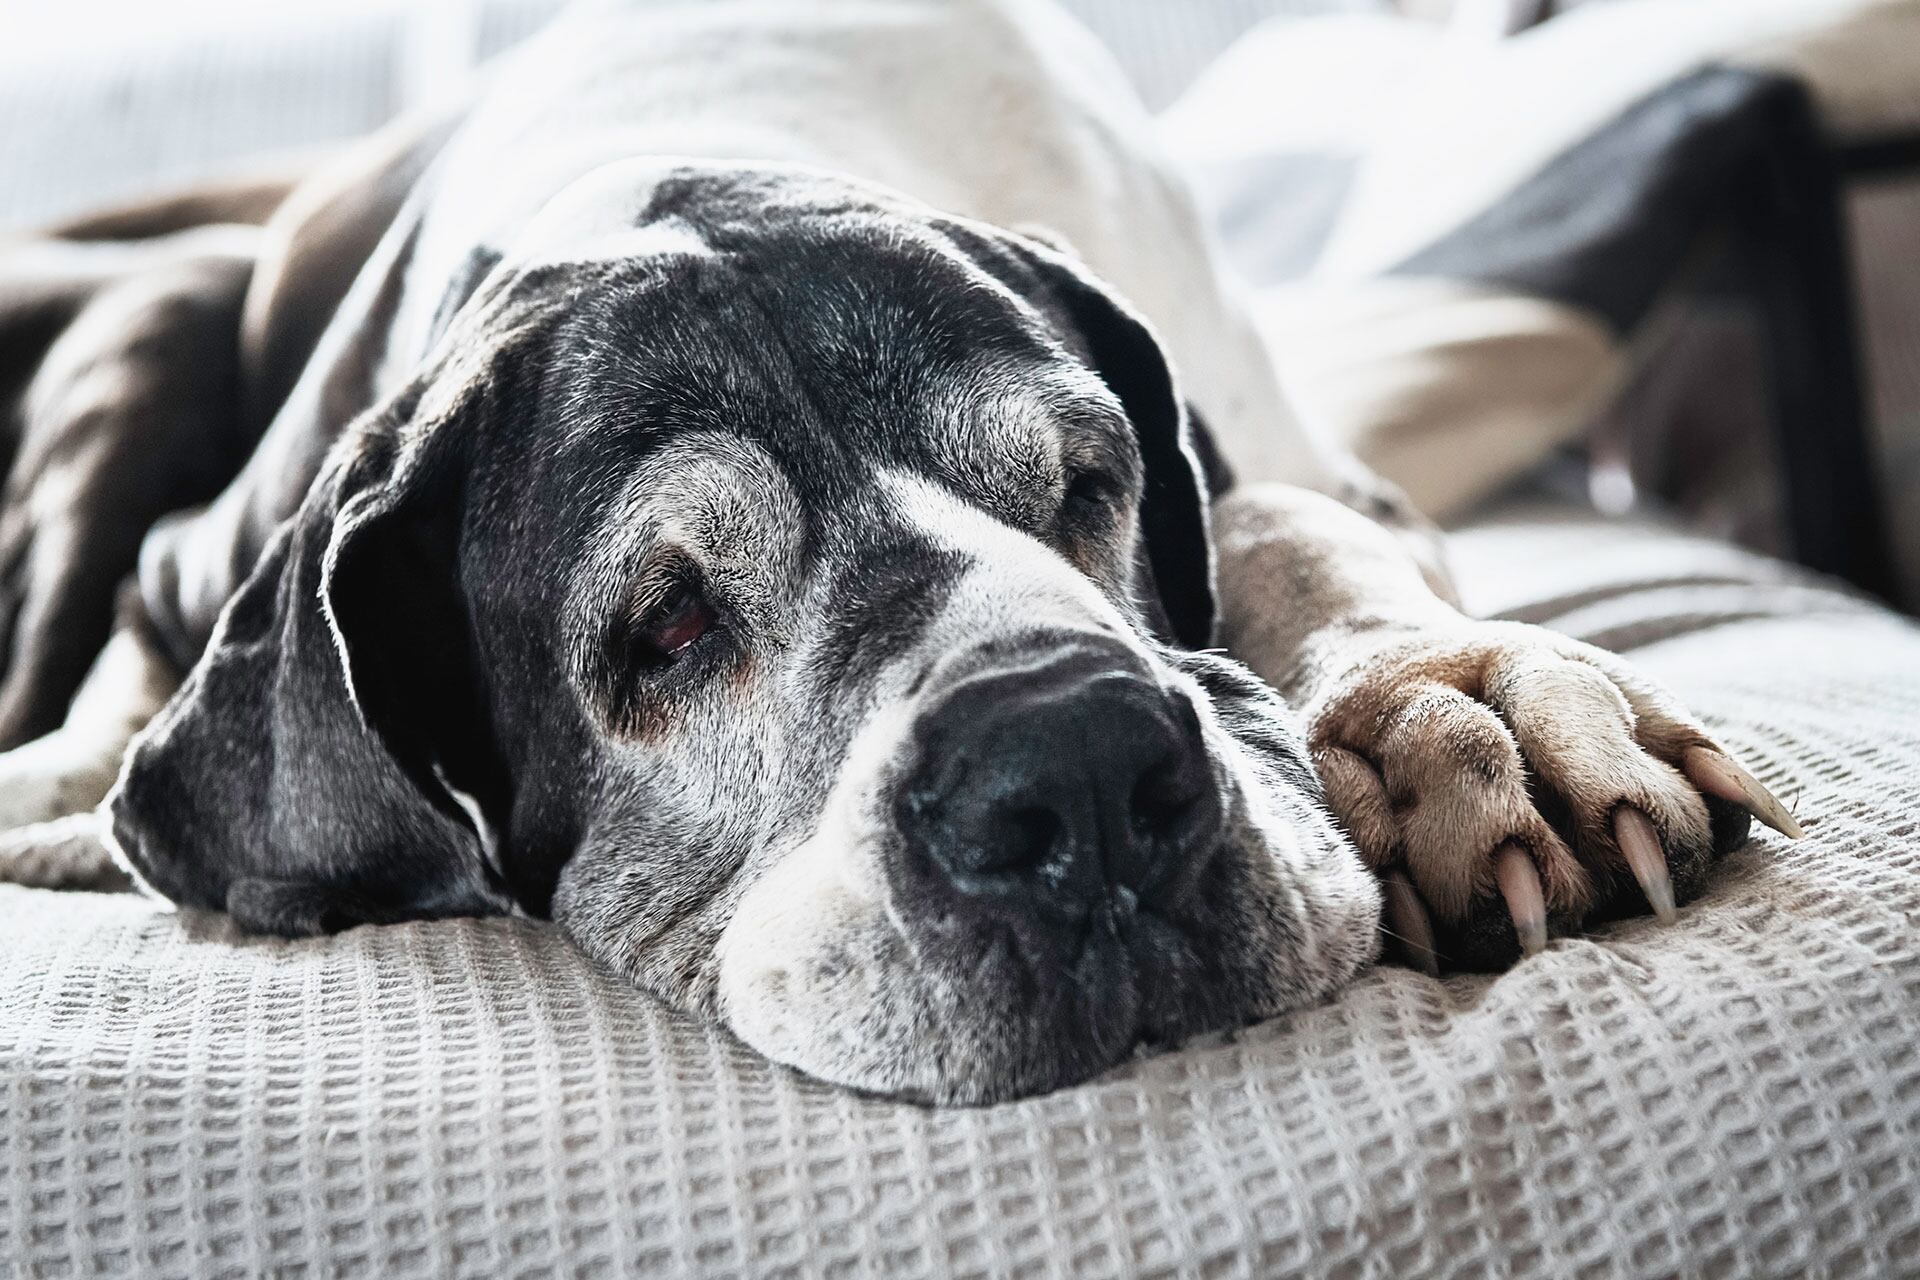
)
(1059, 788)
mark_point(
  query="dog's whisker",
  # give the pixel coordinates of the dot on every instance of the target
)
(1414, 928)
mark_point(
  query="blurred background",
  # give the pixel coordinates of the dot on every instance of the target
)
(1657, 254)
(105, 98)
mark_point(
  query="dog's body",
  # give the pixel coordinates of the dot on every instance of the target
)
(710, 488)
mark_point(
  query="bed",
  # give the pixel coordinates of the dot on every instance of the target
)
(1738, 1094)
(1735, 1095)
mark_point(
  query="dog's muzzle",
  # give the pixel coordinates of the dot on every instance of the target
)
(1050, 793)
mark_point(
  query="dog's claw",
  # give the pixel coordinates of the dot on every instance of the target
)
(1408, 923)
(1716, 774)
(1640, 846)
(1526, 900)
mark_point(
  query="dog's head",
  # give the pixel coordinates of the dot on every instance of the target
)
(800, 596)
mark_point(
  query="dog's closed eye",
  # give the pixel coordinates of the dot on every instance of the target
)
(1090, 494)
(1100, 471)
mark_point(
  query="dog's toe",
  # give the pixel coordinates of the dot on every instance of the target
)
(1510, 785)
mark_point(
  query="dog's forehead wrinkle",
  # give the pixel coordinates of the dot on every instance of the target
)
(1042, 413)
(713, 497)
(832, 338)
(875, 286)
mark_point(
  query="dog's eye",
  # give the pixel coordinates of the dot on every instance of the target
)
(680, 618)
(1089, 493)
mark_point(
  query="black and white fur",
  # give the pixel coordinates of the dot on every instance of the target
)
(878, 327)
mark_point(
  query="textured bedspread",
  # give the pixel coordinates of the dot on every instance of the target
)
(1736, 1095)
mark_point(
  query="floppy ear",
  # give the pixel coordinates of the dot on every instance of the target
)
(329, 760)
(1173, 510)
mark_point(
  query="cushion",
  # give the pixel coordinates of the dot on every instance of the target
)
(1468, 251)
(1738, 1094)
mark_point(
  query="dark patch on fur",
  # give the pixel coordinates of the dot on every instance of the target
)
(883, 605)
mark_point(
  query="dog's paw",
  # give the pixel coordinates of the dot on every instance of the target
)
(66, 853)
(1507, 783)
(52, 777)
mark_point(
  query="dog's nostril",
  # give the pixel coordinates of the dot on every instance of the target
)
(1026, 836)
(1164, 795)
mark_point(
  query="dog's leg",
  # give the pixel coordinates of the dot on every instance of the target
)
(118, 385)
(50, 835)
(71, 769)
(65, 853)
(1504, 781)
(131, 412)
(246, 199)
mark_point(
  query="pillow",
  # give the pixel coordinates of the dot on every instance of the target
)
(1465, 249)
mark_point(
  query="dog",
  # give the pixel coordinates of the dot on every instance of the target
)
(762, 486)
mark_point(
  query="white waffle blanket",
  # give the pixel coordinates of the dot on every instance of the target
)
(1738, 1095)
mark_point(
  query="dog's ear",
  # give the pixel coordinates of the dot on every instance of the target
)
(1178, 548)
(330, 760)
